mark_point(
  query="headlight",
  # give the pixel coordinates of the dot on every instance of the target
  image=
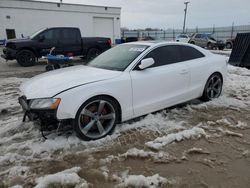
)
(45, 104)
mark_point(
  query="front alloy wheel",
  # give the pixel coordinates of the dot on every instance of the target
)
(96, 118)
(213, 87)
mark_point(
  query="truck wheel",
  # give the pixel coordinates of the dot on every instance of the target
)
(92, 53)
(192, 42)
(26, 58)
(229, 45)
(210, 46)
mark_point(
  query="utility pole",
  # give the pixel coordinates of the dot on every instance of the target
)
(185, 15)
(213, 29)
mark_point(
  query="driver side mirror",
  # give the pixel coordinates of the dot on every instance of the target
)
(41, 38)
(145, 63)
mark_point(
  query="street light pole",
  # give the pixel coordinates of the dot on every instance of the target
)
(185, 15)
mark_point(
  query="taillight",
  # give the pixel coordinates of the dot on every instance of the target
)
(109, 42)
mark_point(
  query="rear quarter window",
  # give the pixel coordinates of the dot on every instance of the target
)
(189, 53)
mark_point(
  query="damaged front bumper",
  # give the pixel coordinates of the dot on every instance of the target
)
(47, 117)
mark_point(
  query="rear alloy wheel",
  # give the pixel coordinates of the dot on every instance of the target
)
(96, 118)
(213, 87)
(26, 58)
(92, 54)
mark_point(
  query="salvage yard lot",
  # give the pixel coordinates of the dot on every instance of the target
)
(190, 145)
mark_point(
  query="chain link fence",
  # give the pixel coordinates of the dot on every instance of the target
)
(220, 33)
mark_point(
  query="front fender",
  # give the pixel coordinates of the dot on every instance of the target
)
(72, 99)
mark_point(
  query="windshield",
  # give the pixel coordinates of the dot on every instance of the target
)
(118, 58)
(36, 33)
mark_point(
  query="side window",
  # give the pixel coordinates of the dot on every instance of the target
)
(48, 35)
(189, 53)
(183, 36)
(57, 34)
(71, 35)
(198, 36)
(165, 55)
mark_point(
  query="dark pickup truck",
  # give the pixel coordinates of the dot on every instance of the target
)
(66, 40)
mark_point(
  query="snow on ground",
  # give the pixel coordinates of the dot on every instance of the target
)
(66, 177)
(141, 181)
(222, 52)
(159, 142)
(22, 142)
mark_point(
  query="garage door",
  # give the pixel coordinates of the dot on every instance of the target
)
(104, 27)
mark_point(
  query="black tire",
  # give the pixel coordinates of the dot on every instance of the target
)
(49, 68)
(89, 118)
(192, 42)
(209, 46)
(93, 53)
(56, 66)
(211, 87)
(26, 58)
(229, 45)
(221, 48)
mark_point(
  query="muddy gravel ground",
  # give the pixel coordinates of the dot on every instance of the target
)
(205, 145)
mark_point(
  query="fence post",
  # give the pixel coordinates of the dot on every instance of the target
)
(173, 34)
(232, 31)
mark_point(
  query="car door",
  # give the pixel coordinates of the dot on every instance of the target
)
(198, 40)
(163, 84)
(204, 40)
(71, 41)
(198, 66)
(49, 39)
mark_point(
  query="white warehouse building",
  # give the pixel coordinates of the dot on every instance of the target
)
(21, 18)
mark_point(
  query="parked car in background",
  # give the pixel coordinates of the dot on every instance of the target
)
(66, 40)
(229, 43)
(147, 38)
(206, 40)
(155, 75)
(182, 38)
(129, 39)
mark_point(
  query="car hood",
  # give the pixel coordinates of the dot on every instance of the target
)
(51, 83)
(18, 40)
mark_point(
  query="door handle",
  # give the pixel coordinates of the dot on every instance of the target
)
(184, 71)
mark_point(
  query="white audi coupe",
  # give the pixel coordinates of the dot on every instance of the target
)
(127, 81)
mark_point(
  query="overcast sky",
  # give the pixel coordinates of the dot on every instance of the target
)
(169, 13)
